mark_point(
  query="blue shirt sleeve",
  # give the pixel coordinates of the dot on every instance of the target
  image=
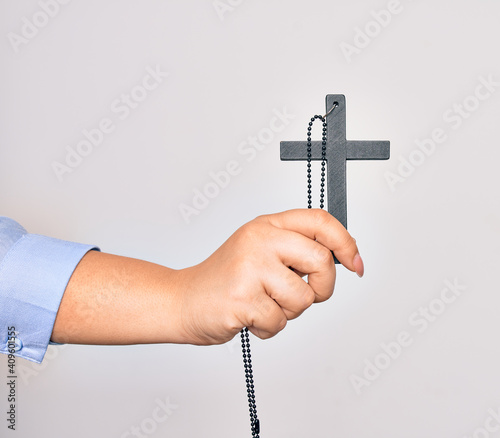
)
(34, 272)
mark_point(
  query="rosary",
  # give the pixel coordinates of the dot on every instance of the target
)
(335, 150)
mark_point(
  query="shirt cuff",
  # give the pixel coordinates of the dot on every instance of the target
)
(33, 277)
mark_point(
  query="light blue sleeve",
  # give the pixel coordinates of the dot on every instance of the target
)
(34, 272)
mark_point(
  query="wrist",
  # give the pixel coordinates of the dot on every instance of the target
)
(172, 309)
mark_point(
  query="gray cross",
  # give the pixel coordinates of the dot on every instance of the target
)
(338, 150)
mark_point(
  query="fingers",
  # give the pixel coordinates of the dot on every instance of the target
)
(267, 318)
(291, 292)
(287, 296)
(299, 273)
(306, 256)
(321, 226)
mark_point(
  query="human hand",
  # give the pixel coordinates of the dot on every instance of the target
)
(247, 281)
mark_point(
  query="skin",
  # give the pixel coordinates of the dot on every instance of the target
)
(253, 280)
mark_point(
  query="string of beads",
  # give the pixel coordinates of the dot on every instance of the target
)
(323, 162)
(247, 361)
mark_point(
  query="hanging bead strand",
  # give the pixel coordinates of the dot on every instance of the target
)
(323, 162)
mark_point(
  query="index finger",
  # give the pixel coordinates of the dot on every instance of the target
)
(321, 226)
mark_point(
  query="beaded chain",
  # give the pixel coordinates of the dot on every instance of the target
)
(323, 162)
(247, 361)
(245, 340)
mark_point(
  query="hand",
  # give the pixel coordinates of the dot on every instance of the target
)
(247, 281)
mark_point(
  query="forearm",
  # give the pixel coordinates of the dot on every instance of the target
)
(118, 300)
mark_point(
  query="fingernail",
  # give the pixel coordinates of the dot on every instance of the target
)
(359, 266)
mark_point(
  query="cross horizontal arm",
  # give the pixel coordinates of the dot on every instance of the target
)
(297, 150)
(356, 150)
(368, 150)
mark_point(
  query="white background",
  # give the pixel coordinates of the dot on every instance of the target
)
(226, 76)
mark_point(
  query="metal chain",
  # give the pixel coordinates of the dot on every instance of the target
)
(247, 361)
(323, 161)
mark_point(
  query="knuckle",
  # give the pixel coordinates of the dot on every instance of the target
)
(289, 283)
(323, 256)
(321, 217)
(303, 299)
(265, 335)
(251, 233)
(348, 242)
(259, 308)
(246, 231)
(247, 249)
(261, 218)
(281, 324)
(272, 320)
(309, 297)
(327, 295)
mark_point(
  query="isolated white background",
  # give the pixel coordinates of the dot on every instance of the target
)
(225, 79)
